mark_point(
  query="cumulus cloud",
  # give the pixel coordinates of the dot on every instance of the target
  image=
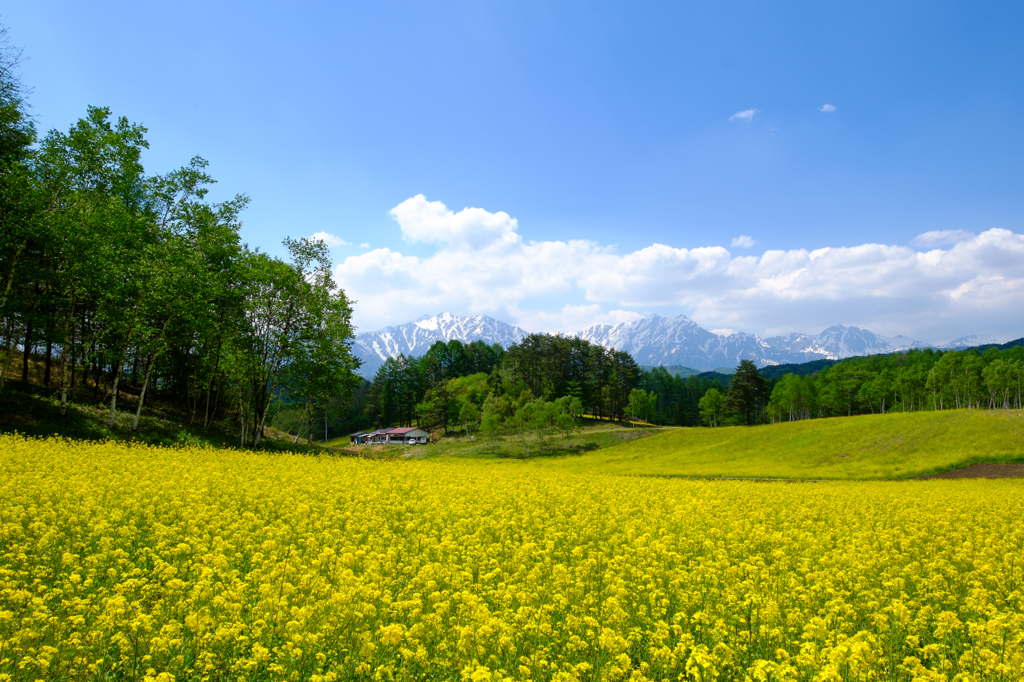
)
(827, 108)
(941, 238)
(328, 238)
(747, 115)
(481, 265)
(571, 318)
(364, 245)
(431, 221)
(743, 241)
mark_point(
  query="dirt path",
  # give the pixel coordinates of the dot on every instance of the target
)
(983, 471)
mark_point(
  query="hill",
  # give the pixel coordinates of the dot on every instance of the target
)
(33, 409)
(800, 369)
(674, 370)
(1001, 346)
(865, 447)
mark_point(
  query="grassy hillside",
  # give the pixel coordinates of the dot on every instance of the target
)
(31, 409)
(865, 447)
(593, 435)
(674, 370)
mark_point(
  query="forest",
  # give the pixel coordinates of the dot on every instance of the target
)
(457, 386)
(122, 282)
(535, 384)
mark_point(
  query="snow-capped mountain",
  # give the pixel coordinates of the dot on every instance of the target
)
(659, 340)
(972, 341)
(414, 338)
(653, 340)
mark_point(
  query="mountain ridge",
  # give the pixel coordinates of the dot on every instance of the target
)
(653, 340)
(414, 338)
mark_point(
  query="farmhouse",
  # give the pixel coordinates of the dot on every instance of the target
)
(405, 435)
(408, 435)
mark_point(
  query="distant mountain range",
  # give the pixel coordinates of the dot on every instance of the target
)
(657, 340)
(654, 340)
(414, 338)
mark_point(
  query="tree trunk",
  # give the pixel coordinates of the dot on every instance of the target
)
(49, 361)
(9, 351)
(26, 349)
(113, 396)
(277, 417)
(10, 276)
(209, 390)
(192, 403)
(241, 411)
(64, 366)
(142, 393)
(8, 354)
(216, 401)
(64, 358)
(262, 418)
(97, 371)
(120, 361)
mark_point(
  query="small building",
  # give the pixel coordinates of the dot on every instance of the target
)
(378, 437)
(406, 435)
(410, 435)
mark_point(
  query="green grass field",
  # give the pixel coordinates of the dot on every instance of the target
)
(594, 435)
(866, 447)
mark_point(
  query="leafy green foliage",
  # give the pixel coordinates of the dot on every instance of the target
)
(918, 380)
(432, 391)
(138, 288)
(712, 407)
(747, 392)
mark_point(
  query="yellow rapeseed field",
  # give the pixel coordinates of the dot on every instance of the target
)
(135, 563)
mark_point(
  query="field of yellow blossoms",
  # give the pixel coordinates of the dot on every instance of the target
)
(140, 563)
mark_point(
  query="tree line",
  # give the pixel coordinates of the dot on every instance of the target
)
(917, 380)
(493, 396)
(119, 282)
(911, 381)
(531, 387)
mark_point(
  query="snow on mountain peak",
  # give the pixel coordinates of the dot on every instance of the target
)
(414, 338)
(652, 340)
(972, 340)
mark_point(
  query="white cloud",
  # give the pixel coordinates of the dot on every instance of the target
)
(329, 239)
(432, 221)
(827, 108)
(941, 238)
(747, 115)
(481, 265)
(571, 318)
(364, 245)
(743, 241)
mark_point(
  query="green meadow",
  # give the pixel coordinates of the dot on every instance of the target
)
(863, 447)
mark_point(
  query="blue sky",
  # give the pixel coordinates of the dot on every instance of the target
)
(612, 123)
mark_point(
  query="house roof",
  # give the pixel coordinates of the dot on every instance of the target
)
(406, 429)
(358, 434)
